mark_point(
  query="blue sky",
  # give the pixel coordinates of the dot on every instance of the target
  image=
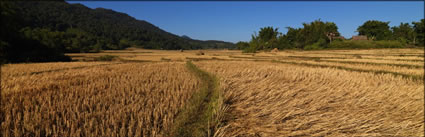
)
(237, 20)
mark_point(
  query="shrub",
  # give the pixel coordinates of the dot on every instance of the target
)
(315, 46)
(365, 44)
(389, 44)
(250, 49)
(349, 44)
(105, 58)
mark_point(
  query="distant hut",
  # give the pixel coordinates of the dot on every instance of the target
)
(275, 50)
(360, 37)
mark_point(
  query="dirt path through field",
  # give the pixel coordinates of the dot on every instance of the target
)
(201, 117)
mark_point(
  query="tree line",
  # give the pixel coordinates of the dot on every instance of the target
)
(40, 31)
(322, 35)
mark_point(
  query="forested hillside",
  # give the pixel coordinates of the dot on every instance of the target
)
(58, 27)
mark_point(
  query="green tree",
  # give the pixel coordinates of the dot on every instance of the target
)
(241, 45)
(403, 32)
(376, 30)
(292, 37)
(267, 37)
(316, 30)
(254, 44)
(419, 32)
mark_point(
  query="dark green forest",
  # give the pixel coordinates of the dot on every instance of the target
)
(324, 35)
(40, 31)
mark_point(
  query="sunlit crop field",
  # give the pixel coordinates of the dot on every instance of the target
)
(377, 92)
(270, 99)
(131, 99)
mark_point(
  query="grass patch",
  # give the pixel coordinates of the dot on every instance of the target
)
(203, 113)
(365, 44)
(105, 58)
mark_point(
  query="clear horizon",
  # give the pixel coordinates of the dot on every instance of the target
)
(236, 21)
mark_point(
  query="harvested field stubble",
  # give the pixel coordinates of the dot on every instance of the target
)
(289, 100)
(152, 93)
(23, 69)
(414, 72)
(130, 99)
(389, 62)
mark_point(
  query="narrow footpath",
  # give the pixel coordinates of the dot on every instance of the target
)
(199, 118)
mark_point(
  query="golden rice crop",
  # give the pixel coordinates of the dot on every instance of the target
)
(271, 99)
(264, 98)
(386, 54)
(390, 67)
(131, 99)
(400, 62)
(403, 58)
(367, 67)
(22, 69)
(373, 51)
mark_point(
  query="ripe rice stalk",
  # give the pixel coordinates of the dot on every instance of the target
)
(269, 99)
(132, 99)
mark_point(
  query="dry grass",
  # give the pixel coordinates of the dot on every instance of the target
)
(134, 54)
(287, 100)
(395, 62)
(419, 72)
(383, 54)
(130, 99)
(23, 69)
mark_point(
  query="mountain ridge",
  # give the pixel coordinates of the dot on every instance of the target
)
(108, 24)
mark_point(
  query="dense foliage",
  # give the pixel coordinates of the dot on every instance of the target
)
(18, 44)
(366, 44)
(313, 35)
(62, 27)
(321, 35)
(242, 45)
(403, 33)
(419, 32)
(375, 30)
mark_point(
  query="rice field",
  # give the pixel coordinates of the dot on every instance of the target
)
(378, 92)
(113, 100)
(269, 99)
